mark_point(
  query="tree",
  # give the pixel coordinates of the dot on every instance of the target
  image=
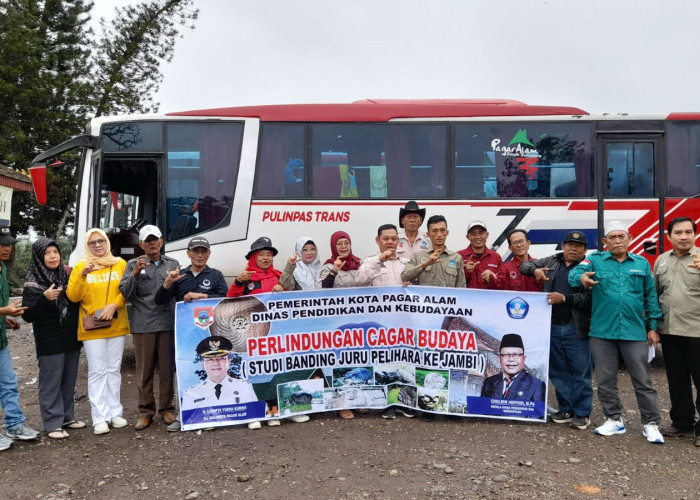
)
(54, 74)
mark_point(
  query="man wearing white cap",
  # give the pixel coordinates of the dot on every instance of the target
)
(624, 319)
(152, 326)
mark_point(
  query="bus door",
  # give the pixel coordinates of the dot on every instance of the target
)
(128, 190)
(629, 170)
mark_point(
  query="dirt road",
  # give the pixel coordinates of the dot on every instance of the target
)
(367, 457)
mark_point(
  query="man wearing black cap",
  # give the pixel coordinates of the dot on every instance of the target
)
(569, 351)
(411, 238)
(219, 388)
(9, 391)
(196, 281)
(480, 263)
(513, 383)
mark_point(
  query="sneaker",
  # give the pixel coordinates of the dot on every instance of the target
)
(405, 412)
(562, 417)
(672, 431)
(174, 427)
(119, 422)
(5, 442)
(651, 432)
(580, 423)
(22, 432)
(299, 418)
(274, 422)
(255, 425)
(611, 427)
(100, 428)
(389, 413)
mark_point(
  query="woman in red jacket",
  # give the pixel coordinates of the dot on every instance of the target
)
(259, 276)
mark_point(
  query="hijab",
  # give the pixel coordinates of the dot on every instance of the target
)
(40, 278)
(305, 274)
(106, 260)
(261, 274)
(351, 262)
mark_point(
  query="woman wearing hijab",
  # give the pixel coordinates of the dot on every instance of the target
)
(55, 322)
(94, 283)
(341, 269)
(303, 267)
(338, 272)
(260, 275)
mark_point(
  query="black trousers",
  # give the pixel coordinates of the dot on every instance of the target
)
(682, 359)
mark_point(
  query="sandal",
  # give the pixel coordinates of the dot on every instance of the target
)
(57, 434)
(74, 424)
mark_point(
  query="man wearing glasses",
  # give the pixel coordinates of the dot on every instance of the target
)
(509, 276)
(514, 382)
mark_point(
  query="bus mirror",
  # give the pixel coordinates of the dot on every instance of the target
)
(38, 174)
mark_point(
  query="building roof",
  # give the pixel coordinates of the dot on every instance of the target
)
(15, 179)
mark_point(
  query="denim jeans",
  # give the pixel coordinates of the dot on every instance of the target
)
(9, 392)
(570, 370)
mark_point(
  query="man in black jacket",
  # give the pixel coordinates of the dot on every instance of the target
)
(569, 352)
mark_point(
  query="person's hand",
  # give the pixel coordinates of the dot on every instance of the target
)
(406, 283)
(292, 260)
(556, 298)
(141, 264)
(433, 259)
(338, 265)
(52, 293)
(653, 337)
(190, 296)
(541, 274)
(278, 288)
(696, 261)
(88, 269)
(488, 275)
(12, 323)
(244, 276)
(389, 254)
(470, 264)
(14, 309)
(172, 277)
(587, 281)
(108, 311)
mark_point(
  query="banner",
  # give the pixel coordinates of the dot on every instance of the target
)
(5, 205)
(431, 349)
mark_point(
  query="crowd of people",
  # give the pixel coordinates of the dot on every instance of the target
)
(605, 305)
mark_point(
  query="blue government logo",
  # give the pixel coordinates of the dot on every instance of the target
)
(517, 308)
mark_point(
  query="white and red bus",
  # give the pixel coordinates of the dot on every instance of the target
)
(285, 171)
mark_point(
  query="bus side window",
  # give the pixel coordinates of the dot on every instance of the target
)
(280, 170)
(683, 158)
(630, 169)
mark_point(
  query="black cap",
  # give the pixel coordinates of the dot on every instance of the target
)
(198, 241)
(262, 243)
(6, 237)
(214, 346)
(512, 340)
(576, 237)
(411, 208)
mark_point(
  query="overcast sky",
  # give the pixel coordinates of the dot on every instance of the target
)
(637, 56)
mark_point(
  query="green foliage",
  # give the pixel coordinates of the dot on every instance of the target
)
(55, 74)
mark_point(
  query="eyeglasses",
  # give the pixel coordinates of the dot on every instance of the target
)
(512, 355)
(95, 243)
(518, 243)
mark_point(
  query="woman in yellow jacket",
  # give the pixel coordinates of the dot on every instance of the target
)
(94, 283)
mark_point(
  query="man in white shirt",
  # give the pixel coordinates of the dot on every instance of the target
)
(411, 238)
(385, 268)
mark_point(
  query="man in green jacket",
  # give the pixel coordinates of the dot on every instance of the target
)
(624, 318)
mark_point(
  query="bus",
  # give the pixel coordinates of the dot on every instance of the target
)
(285, 171)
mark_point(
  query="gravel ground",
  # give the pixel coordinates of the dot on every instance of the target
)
(328, 457)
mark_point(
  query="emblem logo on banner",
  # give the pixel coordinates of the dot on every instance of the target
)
(203, 316)
(517, 308)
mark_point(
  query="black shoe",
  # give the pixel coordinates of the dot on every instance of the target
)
(562, 417)
(427, 417)
(389, 413)
(405, 412)
(672, 431)
(581, 423)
